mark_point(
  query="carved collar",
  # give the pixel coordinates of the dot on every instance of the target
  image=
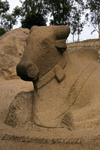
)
(57, 72)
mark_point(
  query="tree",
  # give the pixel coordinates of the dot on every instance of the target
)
(63, 11)
(4, 6)
(16, 12)
(60, 10)
(7, 20)
(2, 31)
(33, 19)
(76, 23)
(93, 16)
(35, 9)
(66, 12)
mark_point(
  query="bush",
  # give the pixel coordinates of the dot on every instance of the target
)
(33, 19)
(2, 31)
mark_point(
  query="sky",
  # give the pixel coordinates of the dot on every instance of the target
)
(85, 34)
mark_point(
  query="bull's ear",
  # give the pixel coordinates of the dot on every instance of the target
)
(32, 28)
(61, 32)
(61, 44)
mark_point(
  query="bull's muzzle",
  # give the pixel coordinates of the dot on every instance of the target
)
(27, 72)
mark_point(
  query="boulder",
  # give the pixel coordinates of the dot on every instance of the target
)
(12, 46)
(20, 110)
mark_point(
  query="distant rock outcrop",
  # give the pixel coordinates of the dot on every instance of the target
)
(12, 46)
(94, 44)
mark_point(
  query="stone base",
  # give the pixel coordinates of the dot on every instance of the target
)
(20, 127)
(35, 134)
(31, 133)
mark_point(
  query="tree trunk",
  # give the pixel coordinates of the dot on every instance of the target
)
(53, 13)
(78, 24)
(99, 33)
(73, 38)
(99, 29)
(99, 25)
(78, 31)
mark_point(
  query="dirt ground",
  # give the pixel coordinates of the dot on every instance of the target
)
(9, 145)
(8, 90)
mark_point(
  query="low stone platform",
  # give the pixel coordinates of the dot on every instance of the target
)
(35, 134)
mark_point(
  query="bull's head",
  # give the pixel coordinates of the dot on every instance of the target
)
(44, 49)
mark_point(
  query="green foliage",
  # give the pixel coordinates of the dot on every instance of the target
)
(8, 20)
(33, 19)
(4, 6)
(66, 12)
(60, 10)
(76, 24)
(94, 15)
(16, 12)
(33, 7)
(2, 31)
(33, 12)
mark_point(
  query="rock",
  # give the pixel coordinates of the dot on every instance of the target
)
(63, 82)
(20, 110)
(76, 47)
(65, 106)
(12, 46)
(44, 53)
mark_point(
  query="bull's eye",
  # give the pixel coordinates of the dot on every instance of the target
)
(45, 41)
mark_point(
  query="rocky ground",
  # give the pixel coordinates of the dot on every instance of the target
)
(11, 145)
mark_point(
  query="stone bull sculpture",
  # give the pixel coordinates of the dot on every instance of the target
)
(66, 87)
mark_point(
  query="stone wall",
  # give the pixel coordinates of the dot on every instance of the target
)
(74, 47)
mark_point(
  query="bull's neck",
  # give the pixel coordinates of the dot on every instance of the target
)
(56, 72)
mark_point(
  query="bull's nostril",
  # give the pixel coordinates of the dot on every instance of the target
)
(32, 71)
(21, 71)
(27, 72)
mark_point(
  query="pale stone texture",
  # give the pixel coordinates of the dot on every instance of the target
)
(20, 111)
(12, 46)
(65, 105)
(45, 49)
(64, 84)
(75, 47)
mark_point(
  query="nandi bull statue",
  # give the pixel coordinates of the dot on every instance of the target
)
(66, 87)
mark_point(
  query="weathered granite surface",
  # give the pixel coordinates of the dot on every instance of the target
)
(12, 46)
(75, 47)
(65, 105)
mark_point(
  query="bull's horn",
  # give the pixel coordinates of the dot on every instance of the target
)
(32, 28)
(61, 32)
